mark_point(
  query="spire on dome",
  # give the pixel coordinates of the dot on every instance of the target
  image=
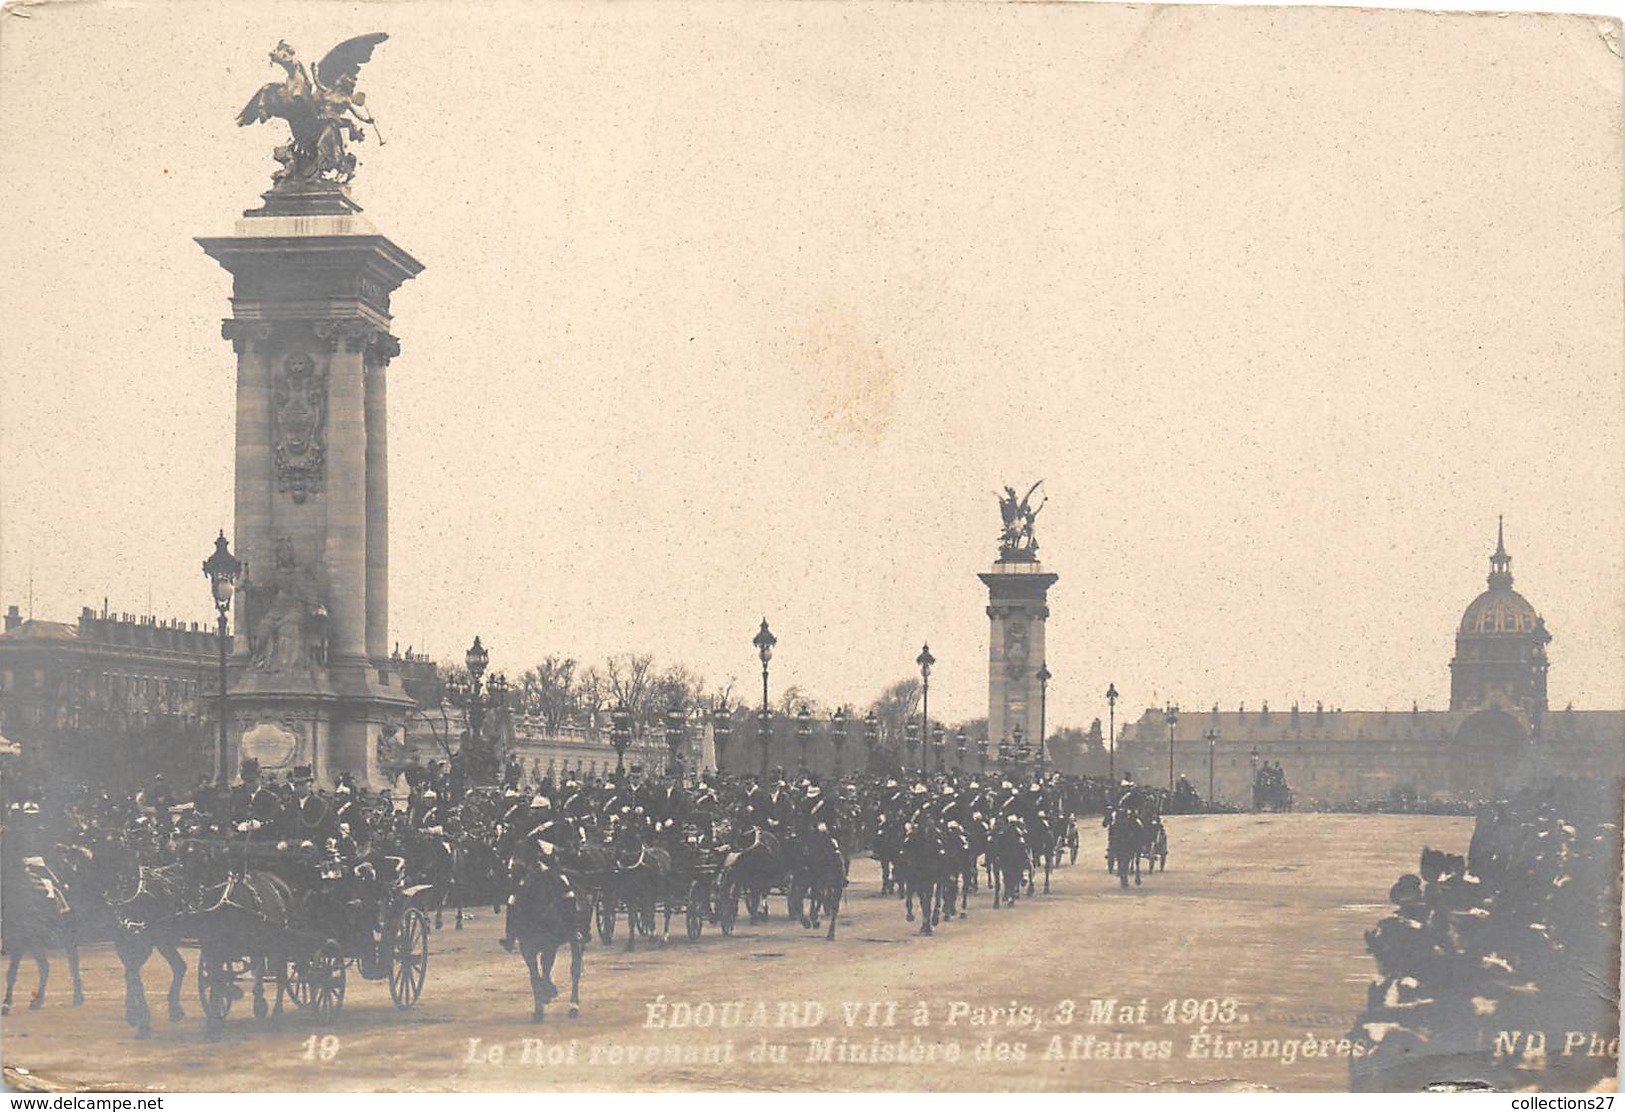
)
(1500, 562)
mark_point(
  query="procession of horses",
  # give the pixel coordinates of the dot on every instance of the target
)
(286, 895)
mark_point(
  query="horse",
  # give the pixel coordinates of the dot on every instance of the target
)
(1008, 859)
(37, 918)
(817, 879)
(975, 835)
(922, 867)
(887, 848)
(641, 875)
(1154, 850)
(147, 920)
(545, 912)
(245, 916)
(1125, 834)
(751, 873)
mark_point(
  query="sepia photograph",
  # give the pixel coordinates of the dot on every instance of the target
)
(773, 546)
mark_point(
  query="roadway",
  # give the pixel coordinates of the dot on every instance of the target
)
(1257, 928)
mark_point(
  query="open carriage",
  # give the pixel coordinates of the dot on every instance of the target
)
(303, 925)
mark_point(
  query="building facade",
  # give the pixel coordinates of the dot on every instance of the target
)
(1497, 733)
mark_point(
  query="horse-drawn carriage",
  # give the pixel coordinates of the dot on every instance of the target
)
(301, 923)
(1271, 795)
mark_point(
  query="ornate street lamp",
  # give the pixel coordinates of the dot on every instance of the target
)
(804, 732)
(939, 742)
(981, 753)
(222, 569)
(722, 727)
(1212, 745)
(838, 724)
(676, 734)
(1171, 715)
(1111, 760)
(911, 738)
(961, 746)
(1020, 747)
(764, 642)
(1043, 694)
(620, 736)
(871, 732)
(925, 660)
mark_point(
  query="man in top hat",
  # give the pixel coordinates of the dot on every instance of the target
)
(307, 820)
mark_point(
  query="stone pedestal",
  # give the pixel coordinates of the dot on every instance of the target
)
(310, 678)
(1017, 609)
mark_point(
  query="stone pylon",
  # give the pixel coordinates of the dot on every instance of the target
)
(1018, 592)
(311, 682)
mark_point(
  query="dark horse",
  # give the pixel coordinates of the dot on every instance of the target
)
(37, 917)
(244, 918)
(1008, 859)
(146, 920)
(642, 875)
(545, 912)
(817, 878)
(750, 873)
(923, 867)
(1125, 835)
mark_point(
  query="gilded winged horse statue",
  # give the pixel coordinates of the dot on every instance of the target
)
(323, 110)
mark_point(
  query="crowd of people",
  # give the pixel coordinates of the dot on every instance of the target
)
(1490, 959)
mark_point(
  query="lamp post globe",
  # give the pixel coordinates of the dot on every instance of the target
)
(839, 722)
(1111, 747)
(925, 660)
(764, 642)
(722, 727)
(620, 736)
(222, 569)
(961, 746)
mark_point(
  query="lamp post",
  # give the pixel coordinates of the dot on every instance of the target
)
(911, 738)
(925, 660)
(961, 746)
(722, 727)
(838, 723)
(1252, 764)
(1043, 696)
(1212, 745)
(981, 754)
(764, 642)
(620, 736)
(1171, 715)
(804, 732)
(871, 732)
(1111, 749)
(676, 734)
(939, 743)
(222, 569)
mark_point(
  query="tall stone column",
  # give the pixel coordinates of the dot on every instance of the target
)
(310, 324)
(377, 537)
(1018, 592)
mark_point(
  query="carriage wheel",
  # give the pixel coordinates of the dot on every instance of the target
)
(409, 959)
(298, 982)
(727, 913)
(606, 920)
(216, 988)
(696, 911)
(326, 973)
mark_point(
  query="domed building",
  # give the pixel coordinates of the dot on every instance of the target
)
(1497, 734)
(1500, 645)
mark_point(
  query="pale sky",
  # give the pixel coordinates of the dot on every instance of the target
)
(733, 310)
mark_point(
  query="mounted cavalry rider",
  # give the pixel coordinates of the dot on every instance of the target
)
(27, 833)
(537, 852)
(816, 815)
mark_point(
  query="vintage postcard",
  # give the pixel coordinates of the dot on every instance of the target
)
(748, 546)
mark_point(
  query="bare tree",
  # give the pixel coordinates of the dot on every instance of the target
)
(630, 679)
(549, 689)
